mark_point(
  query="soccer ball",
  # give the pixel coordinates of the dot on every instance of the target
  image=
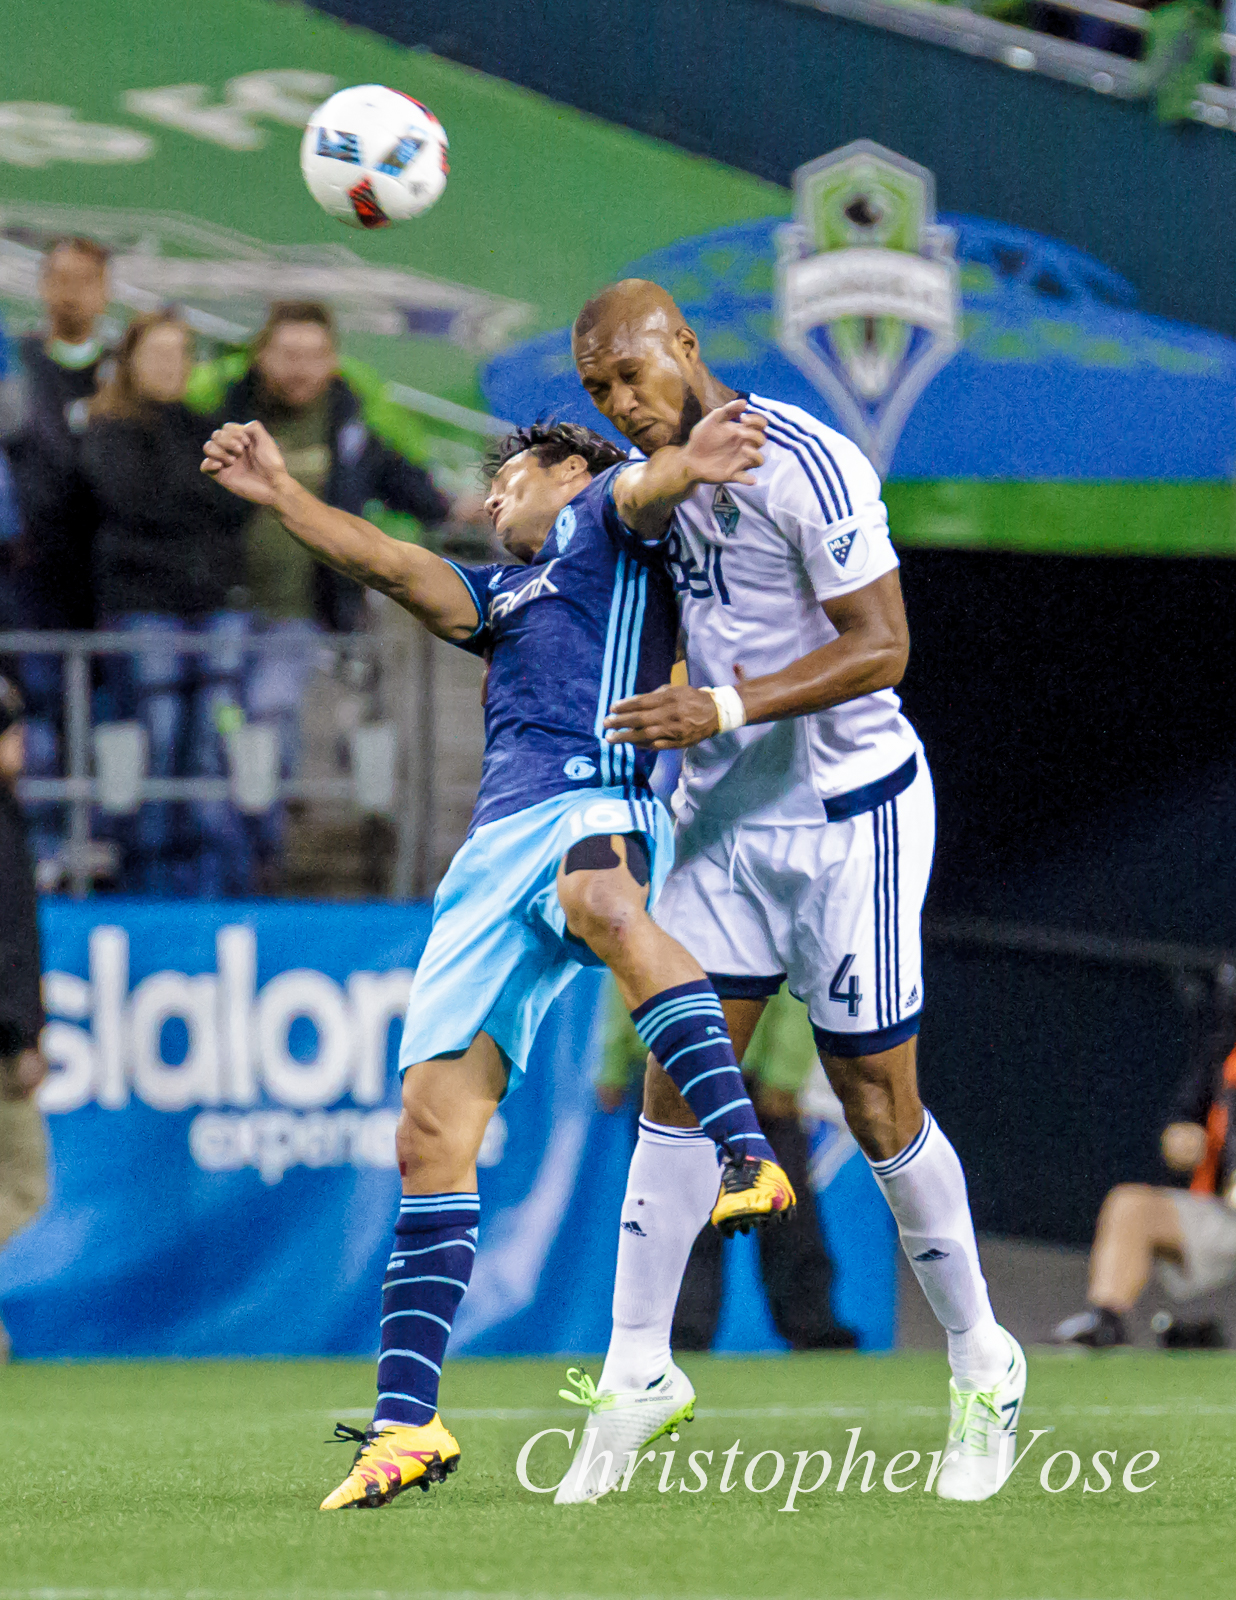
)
(372, 156)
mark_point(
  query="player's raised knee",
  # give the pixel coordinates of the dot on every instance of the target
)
(601, 910)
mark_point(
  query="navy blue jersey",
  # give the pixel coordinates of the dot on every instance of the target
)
(591, 620)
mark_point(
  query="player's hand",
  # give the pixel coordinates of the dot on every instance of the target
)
(726, 445)
(611, 1097)
(671, 718)
(245, 459)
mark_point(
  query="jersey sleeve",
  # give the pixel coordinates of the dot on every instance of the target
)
(479, 582)
(625, 538)
(828, 505)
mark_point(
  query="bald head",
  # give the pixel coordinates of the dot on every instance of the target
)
(633, 302)
(640, 362)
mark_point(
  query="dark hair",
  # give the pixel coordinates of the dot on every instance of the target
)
(552, 442)
(119, 397)
(80, 245)
(284, 311)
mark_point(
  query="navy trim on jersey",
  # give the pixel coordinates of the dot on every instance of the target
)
(880, 915)
(733, 986)
(896, 909)
(832, 513)
(814, 442)
(478, 600)
(849, 1045)
(886, 909)
(872, 795)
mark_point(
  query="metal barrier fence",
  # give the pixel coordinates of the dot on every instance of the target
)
(964, 25)
(397, 784)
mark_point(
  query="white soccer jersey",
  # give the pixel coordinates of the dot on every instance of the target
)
(752, 565)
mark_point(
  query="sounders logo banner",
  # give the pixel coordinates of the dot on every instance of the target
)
(867, 299)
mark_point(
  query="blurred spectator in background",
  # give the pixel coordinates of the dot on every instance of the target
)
(167, 558)
(322, 425)
(1189, 1235)
(55, 373)
(23, 1150)
(10, 523)
(794, 1263)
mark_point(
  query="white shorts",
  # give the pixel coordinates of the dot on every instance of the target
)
(1208, 1231)
(833, 906)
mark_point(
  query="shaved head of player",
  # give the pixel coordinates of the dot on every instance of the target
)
(640, 363)
(805, 825)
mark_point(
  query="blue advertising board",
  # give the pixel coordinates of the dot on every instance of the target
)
(221, 1113)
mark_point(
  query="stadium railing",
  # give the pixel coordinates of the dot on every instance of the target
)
(1018, 43)
(404, 792)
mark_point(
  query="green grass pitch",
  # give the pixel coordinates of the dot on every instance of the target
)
(156, 1481)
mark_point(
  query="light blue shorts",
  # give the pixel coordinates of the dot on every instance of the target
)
(498, 952)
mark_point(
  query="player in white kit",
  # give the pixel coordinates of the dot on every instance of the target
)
(805, 830)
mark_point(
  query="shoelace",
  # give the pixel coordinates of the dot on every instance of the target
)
(738, 1173)
(586, 1391)
(362, 1436)
(971, 1401)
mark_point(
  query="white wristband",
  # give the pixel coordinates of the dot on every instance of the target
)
(731, 713)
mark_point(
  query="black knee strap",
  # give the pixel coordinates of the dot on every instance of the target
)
(597, 854)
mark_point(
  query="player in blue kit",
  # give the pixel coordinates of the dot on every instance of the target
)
(567, 851)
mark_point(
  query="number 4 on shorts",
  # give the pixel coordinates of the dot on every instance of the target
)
(849, 996)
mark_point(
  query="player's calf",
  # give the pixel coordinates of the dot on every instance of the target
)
(447, 1104)
(678, 1015)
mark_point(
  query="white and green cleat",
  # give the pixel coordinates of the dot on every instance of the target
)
(621, 1422)
(982, 1433)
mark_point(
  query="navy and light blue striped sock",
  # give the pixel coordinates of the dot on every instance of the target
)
(429, 1268)
(684, 1027)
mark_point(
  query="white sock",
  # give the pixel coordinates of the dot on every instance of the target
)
(671, 1190)
(926, 1192)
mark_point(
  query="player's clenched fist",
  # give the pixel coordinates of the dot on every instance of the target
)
(245, 459)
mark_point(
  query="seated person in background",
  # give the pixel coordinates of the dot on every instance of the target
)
(1188, 1234)
(322, 427)
(167, 559)
(794, 1262)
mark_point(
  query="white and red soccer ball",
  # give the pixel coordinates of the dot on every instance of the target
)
(371, 156)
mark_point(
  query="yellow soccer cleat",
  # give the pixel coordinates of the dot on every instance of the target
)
(753, 1192)
(390, 1461)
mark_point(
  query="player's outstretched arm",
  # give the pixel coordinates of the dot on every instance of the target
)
(245, 459)
(723, 447)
